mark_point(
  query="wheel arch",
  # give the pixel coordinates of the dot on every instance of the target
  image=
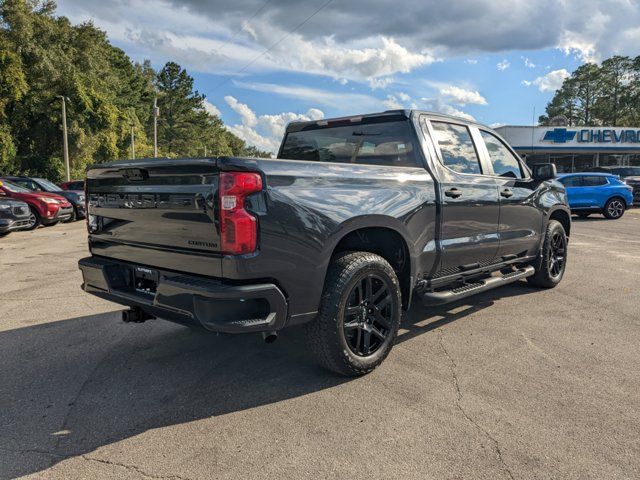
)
(615, 195)
(383, 239)
(563, 216)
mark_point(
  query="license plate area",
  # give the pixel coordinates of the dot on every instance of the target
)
(145, 280)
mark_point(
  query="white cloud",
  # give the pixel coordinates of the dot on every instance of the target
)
(246, 114)
(347, 102)
(461, 96)
(528, 63)
(265, 131)
(348, 41)
(381, 83)
(439, 105)
(503, 65)
(252, 137)
(392, 103)
(550, 82)
(471, 61)
(211, 108)
(375, 63)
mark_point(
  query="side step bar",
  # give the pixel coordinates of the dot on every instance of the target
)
(447, 296)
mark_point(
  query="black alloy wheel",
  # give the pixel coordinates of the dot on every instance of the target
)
(551, 263)
(368, 315)
(557, 254)
(359, 314)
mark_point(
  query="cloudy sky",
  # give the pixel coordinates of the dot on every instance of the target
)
(263, 63)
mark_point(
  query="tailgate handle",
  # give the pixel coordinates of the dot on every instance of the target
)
(135, 174)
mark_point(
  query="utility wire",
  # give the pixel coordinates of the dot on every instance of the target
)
(275, 44)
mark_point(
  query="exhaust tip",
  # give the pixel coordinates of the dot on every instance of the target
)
(269, 337)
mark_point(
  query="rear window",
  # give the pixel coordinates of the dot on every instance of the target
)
(456, 147)
(389, 143)
(593, 181)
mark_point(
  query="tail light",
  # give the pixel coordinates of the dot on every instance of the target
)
(238, 228)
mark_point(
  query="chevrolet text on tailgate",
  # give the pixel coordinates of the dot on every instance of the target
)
(354, 218)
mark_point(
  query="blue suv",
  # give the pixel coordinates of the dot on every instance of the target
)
(597, 193)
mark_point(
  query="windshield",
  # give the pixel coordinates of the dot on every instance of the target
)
(12, 187)
(388, 143)
(48, 186)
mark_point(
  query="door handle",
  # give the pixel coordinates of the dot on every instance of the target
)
(453, 192)
(506, 193)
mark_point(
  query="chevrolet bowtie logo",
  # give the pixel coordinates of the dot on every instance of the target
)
(559, 135)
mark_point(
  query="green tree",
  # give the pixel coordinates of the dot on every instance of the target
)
(608, 94)
(183, 118)
(43, 56)
(612, 104)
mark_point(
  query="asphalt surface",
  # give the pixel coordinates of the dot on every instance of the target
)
(512, 384)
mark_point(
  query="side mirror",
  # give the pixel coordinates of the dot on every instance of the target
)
(544, 171)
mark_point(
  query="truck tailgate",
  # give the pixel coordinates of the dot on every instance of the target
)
(159, 213)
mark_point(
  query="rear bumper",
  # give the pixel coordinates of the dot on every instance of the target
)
(189, 299)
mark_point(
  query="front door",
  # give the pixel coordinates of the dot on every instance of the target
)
(520, 217)
(470, 206)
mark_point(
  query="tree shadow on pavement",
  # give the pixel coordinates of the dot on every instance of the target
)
(69, 387)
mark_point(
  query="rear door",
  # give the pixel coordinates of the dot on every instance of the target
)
(520, 216)
(572, 185)
(470, 206)
(156, 213)
(593, 190)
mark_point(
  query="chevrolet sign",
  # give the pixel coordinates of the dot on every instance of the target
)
(592, 135)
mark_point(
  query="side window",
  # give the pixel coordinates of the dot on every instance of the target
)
(503, 161)
(24, 183)
(593, 181)
(456, 146)
(571, 181)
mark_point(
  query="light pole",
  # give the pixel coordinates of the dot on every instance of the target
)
(133, 142)
(156, 114)
(65, 144)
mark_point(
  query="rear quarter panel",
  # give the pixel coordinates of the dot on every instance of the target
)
(309, 207)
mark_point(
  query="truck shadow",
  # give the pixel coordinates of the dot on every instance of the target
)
(70, 387)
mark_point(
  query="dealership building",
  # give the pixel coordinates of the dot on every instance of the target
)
(575, 149)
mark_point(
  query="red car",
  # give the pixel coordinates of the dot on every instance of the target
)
(77, 185)
(46, 208)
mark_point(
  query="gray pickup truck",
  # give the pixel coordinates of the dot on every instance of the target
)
(353, 219)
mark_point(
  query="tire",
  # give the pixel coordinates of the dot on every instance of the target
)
(614, 208)
(551, 263)
(34, 218)
(355, 331)
(583, 215)
(74, 216)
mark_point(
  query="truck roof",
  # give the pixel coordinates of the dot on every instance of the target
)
(387, 115)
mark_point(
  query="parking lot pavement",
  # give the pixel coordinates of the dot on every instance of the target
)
(515, 383)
